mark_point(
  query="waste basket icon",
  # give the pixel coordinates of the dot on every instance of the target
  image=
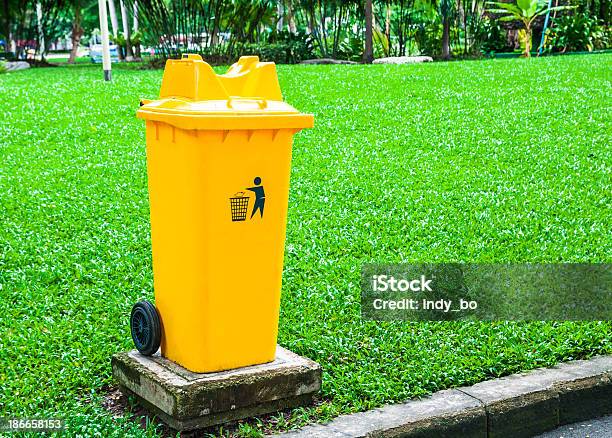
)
(213, 138)
(239, 204)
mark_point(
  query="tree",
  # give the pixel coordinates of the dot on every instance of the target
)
(446, 8)
(290, 16)
(112, 12)
(77, 30)
(129, 55)
(525, 11)
(280, 12)
(401, 24)
(7, 24)
(41, 20)
(326, 20)
(368, 53)
(136, 34)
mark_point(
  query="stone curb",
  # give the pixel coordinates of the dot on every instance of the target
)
(520, 405)
(186, 400)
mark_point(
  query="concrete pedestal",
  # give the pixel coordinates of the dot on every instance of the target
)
(186, 400)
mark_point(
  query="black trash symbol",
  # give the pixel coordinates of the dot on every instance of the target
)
(239, 204)
(260, 197)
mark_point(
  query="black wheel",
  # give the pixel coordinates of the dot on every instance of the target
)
(146, 327)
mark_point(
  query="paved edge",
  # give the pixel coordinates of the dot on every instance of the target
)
(520, 405)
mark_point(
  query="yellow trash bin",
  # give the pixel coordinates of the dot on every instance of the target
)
(218, 163)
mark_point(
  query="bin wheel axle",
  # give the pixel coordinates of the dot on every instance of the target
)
(145, 326)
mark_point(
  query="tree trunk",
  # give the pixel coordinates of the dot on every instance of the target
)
(41, 33)
(368, 53)
(463, 11)
(77, 32)
(129, 55)
(279, 13)
(135, 18)
(7, 25)
(291, 16)
(446, 37)
(214, 38)
(388, 25)
(527, 53)
(112, 12)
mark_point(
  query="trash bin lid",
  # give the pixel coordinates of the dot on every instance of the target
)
(231, 113)
(248, 96)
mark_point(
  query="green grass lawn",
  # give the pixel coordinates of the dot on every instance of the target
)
(500, 160)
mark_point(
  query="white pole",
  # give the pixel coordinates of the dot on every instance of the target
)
(135, 16)
(113, 17)
(106, 62)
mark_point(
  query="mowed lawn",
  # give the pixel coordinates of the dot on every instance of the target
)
(499, 160)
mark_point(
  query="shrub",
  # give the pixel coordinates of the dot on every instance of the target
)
(280, 53)
(2, 67)
(601, 37)
(7, 56)
(572, 33)
(283, 48)
(276, 52)
(351, 48)
(492, 37)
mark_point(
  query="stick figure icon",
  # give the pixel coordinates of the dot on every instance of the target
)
(260, 197)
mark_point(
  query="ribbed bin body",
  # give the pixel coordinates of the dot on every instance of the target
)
(218, 168)
(217, 281)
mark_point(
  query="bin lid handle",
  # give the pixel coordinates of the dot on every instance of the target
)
(263, 103)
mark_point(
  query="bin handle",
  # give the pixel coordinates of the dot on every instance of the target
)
(263, 103)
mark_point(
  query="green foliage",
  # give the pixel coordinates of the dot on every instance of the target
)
(119, 40)
(602, 37)
(174, 28)
(331, 22)
(8, 56)
(427, 36)
(477, 30)
(425, 162)
(577, 32)
(525, 11)
(281, 53)
(136, 37)
(594, 8)
(25, 25)
(290, 48)
(279, 47)
(2, 67)
(351, 48)
(222, 27)
(446, 8)
(492, 37)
